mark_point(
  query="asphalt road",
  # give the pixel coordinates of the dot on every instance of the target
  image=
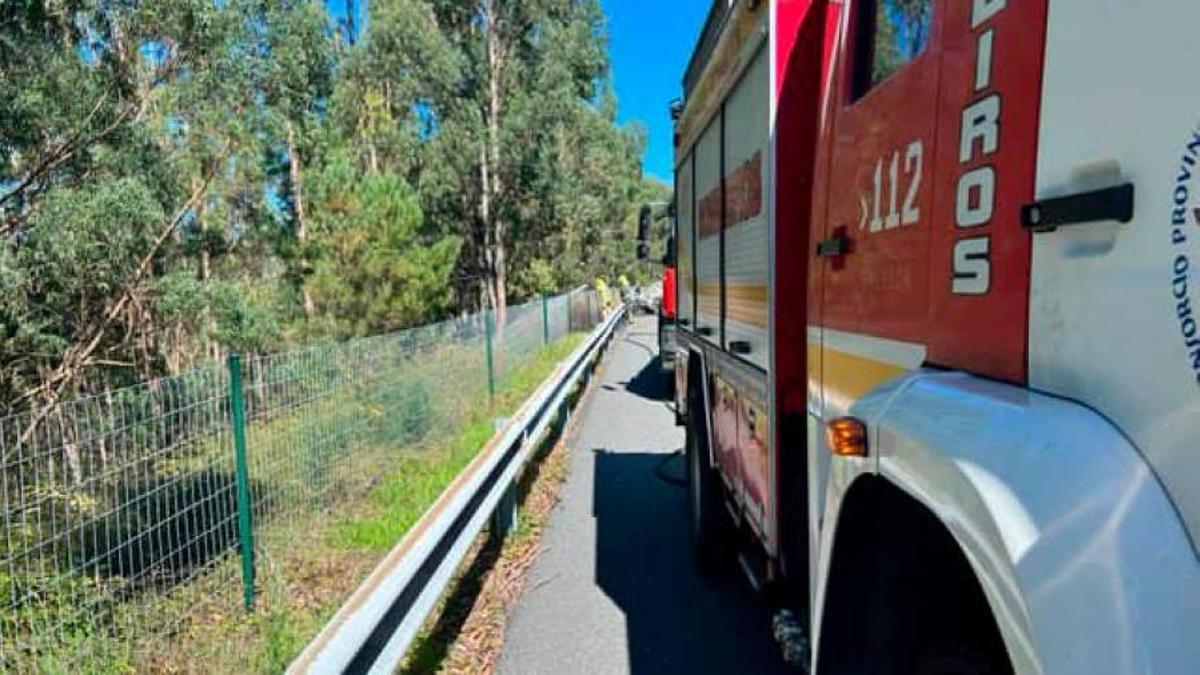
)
(615, 589)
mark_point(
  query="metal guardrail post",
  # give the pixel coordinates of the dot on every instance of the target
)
(245, 521)
(564, 417)
(545, 320)
(490, 331)
(504, 517)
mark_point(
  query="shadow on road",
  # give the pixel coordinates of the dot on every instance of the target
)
(676, 620)
(650, 382)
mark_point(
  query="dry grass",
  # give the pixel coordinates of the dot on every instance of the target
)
(467, 632)
(477, 647)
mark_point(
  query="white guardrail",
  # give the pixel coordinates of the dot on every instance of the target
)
(372, 631)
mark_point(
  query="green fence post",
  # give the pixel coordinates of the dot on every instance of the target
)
(245, 522)
(545, 320)
(490, 330)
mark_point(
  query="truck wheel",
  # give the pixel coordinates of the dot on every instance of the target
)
(665, 367)
(710, 525)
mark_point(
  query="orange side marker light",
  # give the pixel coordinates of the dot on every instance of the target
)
(847, 437)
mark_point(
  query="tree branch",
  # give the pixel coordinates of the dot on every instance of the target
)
(65, 151)
(77, 357)
(41, 166)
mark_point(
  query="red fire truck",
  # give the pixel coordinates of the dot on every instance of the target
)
(666, 309)
(939, 370)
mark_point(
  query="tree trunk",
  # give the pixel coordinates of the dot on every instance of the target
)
(493, 226)
(202, 265)
(351, 22)
(204, 273)
(485, 229)
(500, 278)
(297, 178)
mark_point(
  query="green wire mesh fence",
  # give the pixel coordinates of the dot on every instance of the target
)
(129, 512)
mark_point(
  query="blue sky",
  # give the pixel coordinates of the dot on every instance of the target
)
(650, 42)
(338, 9)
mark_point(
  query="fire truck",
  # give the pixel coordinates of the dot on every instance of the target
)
(937, 355)
(666, 316)
(665, 312)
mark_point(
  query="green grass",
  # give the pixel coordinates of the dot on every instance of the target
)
(480, 591)
(342, 546)
(408, 492)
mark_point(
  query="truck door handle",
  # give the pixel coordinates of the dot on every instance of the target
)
(705, 330)
(1114, 203)
(739, 347)
(834, 247)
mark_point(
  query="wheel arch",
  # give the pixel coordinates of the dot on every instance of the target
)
(1052, 508)
(898, 586)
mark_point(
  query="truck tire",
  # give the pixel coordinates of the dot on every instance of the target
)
(711, 528)
(665, 364)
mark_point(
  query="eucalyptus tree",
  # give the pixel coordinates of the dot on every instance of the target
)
(99, 184)
(515, 130)
(295, 70)
(183, 177)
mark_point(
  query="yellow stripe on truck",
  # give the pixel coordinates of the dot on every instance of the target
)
(850, 376)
